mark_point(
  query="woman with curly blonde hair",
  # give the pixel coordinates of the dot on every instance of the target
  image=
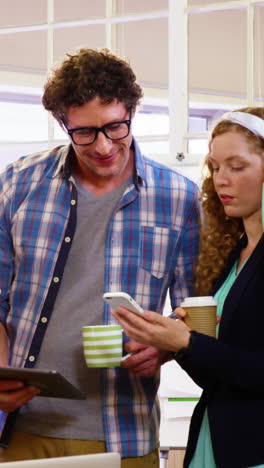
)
(221, 232)
(226, 429)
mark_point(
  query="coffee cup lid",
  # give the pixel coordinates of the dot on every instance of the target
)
(198, 301)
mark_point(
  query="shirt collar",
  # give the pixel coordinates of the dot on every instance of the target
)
(64, 155)
(140, 170)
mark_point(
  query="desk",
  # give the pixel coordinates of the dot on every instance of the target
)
(173, 435)
(178, 396)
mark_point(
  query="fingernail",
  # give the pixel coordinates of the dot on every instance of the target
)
(125, 357)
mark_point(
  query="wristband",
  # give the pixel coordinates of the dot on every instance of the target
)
(184, 352)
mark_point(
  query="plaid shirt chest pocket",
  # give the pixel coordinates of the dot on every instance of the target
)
(157, 249)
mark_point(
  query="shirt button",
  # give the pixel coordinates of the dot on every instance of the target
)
(44, 320)
(73, 202)
(56, 279)
(67, 239)
(31, 358)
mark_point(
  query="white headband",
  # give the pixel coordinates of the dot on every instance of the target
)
(251, 122)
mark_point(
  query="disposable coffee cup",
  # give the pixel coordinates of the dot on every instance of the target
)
(201, 314)
(103, 345)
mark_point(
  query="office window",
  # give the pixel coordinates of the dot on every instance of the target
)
(22, 122)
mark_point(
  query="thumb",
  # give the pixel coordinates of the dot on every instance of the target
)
(133, 346)
(180, 312)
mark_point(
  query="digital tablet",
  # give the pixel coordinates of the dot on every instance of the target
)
(50, 382)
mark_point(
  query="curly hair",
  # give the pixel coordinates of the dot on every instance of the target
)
(220, 233)
(87, 74)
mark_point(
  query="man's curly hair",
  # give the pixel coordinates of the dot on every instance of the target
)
(220, 233)
(87, 74)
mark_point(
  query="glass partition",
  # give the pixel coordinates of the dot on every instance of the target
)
(23, 13)
(124, 7)
(67, 40)
(135, 36)
(78, 10)
(258, 54)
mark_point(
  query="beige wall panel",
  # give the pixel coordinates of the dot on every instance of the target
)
(68, 39)
(125, 7)
(145, 44)
(259, 53)
(217, 52)
(206, 2)
(22, 12)
(25, 50)
(78, 9)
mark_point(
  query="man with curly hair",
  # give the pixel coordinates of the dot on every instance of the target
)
(76, 221)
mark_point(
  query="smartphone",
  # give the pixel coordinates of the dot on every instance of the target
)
(116, 299)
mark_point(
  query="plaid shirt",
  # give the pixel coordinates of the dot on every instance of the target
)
(151, 248)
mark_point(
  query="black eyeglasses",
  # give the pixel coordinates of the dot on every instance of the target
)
(87, 135)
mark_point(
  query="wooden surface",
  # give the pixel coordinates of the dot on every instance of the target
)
(176, 458)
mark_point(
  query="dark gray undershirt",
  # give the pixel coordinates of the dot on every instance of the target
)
(79, 302)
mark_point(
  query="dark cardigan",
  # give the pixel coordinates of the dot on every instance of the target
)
(230, 370)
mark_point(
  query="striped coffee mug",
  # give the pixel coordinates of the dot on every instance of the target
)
(103, 345)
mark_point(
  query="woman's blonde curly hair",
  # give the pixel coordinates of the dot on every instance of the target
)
(220, 233)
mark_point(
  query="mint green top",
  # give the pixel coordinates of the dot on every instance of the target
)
(203, 455)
